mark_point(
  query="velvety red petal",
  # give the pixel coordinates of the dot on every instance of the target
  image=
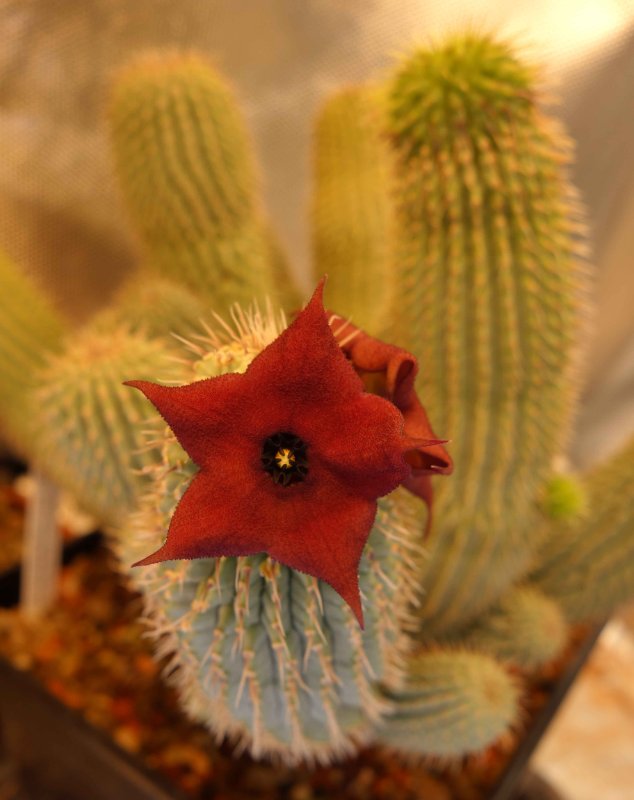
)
(330, 541)
(317, 526)
(392, 372)
(304, 367)
(212, 519)
(205, 415)
(360, 442)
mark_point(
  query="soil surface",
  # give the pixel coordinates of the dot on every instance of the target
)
(11, 521)
(91, 653)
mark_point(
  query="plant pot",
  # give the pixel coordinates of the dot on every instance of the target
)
(56, 750)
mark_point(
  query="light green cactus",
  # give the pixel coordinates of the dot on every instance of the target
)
(490, 297)
(265, 654)
(564, 498)
(353, 214)
(526, 628)
(89, 429)
(481, 258)
(153, 305)
(286, 293)
(587, 564)
(454, 702)
(30, 329)
(187, 173)
(489, 289)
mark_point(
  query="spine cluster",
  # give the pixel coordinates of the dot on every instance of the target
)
(490, 298)
(187, 174)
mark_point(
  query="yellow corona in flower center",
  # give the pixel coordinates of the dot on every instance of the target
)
(284, 458)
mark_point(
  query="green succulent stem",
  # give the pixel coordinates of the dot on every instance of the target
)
(587, 564)
(187, 172)
(454, 703)
(30, 329)
(154, 306)
(353, 212)
(89, 425)
(490, 297)
(525, 627)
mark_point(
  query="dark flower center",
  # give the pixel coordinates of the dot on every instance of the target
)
(284, 458)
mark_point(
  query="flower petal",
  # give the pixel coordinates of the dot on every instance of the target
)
(212, 519)
(304, 366)
(333, 535)
(363, 447)
(201, 414)
(391, 372)
(317, 527)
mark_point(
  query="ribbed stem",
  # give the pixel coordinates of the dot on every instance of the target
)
(89, 425)
(155, 306)
(353, 214)
(30, 329)
(187, 172)
(454, 703)
(488, 298)
(525, 627)
(587, 565)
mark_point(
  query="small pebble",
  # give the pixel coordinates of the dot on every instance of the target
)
(301, 791)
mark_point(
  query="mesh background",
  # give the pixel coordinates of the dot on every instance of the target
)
(60, 215)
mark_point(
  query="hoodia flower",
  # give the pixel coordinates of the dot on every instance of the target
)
(292, 455)
(390, 372)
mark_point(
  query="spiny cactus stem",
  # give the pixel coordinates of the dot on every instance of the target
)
(487, 297)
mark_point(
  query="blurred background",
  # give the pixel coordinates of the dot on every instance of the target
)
(62, 219)
(60, 215)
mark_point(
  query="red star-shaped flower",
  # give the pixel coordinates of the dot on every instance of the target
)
(293, 455)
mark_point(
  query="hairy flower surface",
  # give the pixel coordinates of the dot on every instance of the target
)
(293, 454)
